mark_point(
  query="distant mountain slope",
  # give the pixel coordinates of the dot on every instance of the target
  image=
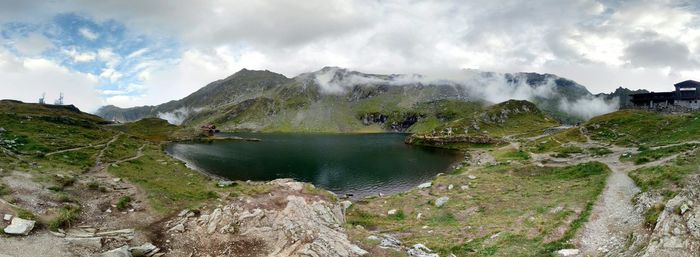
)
(623, 95)
(339, 100)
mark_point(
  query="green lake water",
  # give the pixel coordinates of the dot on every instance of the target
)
(358, 164)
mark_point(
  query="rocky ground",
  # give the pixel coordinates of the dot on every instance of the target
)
(294, 219)
(284, 222)
(286, 219)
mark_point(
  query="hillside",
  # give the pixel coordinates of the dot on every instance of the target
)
(76, 185)
(339, 100)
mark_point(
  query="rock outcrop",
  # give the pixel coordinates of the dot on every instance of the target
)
(285, 222)
(453, 139)
(677, 229)
(20, 226)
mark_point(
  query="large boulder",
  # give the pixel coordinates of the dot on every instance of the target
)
(284, 222)
(20, 226)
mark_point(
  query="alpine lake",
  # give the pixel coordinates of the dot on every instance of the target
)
(356, 165)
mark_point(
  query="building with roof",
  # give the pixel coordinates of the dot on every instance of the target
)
(685, 97)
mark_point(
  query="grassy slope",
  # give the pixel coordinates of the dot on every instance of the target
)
(516, 203)
(667, 178)
(37, 130)
(152, 129)
(634, 127)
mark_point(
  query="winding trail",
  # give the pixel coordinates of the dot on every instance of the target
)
(613, 217)
(75, 149)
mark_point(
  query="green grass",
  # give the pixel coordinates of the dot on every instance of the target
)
(648, 155)
(513, 201)
(512, 155)
(669, 177)
(556, 142)
(25, 214)
(64, 217)
(123, 202)
(4, 189)
(168, 186)
(152, 129)
(567, 151)
(38, 129)
(635, 127)
(652, 215)
(124, 147)
(599, 151)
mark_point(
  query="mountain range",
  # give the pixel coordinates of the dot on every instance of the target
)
(339, 100)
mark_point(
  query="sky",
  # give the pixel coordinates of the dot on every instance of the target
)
(132, 53)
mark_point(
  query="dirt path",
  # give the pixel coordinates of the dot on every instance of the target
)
(613, 217)
(98, 209)
(74, 149)
(98, 160)
(139, 154)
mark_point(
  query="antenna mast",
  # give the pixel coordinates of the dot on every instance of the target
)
(59, 101)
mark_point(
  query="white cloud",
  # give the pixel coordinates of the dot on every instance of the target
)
(167, 81)
(111, 74)
(33, 44)
(88, 34)
(600, 44)
(27, 79)
(80, 56)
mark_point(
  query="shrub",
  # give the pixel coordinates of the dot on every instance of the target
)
(65, 216)
(93, 185)
(64, 181)
(25, 214)
(123, 202)
(398, 216)
(4, 189)
(652, 214)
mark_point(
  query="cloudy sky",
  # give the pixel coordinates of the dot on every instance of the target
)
(130, 53)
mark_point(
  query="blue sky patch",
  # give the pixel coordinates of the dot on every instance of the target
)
(105, 49)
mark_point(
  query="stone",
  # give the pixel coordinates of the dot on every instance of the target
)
(450, 187)
(20, 226)
(684, 208)
(389, 242)
(425, 185)
(183, 213)
(464, 187)
(127, 233)
(91, 242)
(391, 212)
(57, 234)
(142, 250)
(346, 204)
(471, 177)
(116, 179)
(568, 252)
(7, 217)
(118, 252)
(298, 227)
(178, 228)
(441, 201)
(225, 183)
(419, 215)
(373, 238)
(419, 250)
(214, 220)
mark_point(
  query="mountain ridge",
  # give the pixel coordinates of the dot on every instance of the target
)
(310, 99)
